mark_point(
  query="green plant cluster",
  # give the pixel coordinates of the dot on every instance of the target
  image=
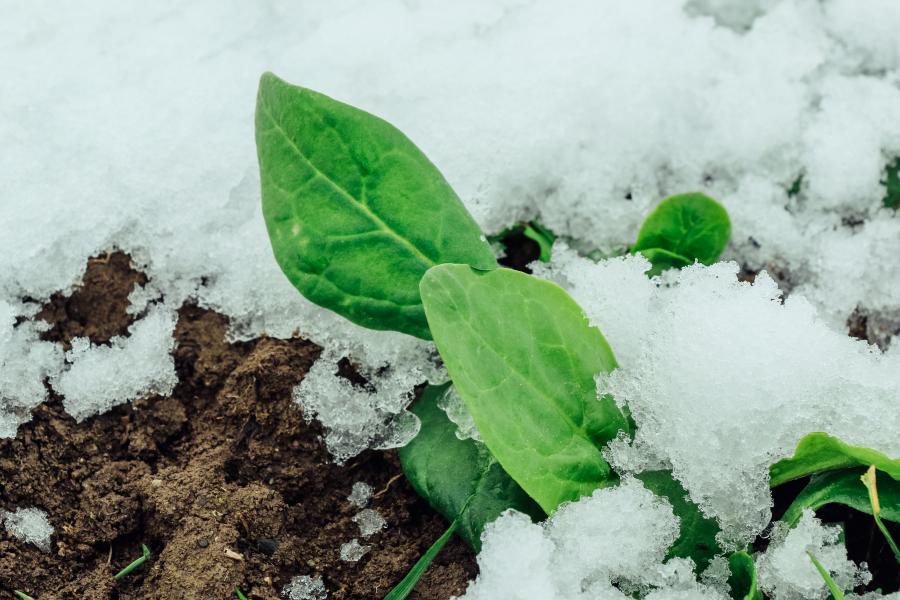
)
(363, 224)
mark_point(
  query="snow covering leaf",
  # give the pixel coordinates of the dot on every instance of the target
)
(355, 211)
(459, 478)
(743, 577)
(836, 592)
(844, 487)
(523, 357)
(818, 452)
(697, 540)
(686, 227)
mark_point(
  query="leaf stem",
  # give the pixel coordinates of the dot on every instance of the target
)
(407, 584)
(836, 592)
(134, 565)
(869, 480)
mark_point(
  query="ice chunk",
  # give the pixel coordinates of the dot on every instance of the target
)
(25, 363)
(360, 494)
(304, 587)
(352, 551)
(29, 525)
(452, 404)
(371, 416)
(131, 367)
(370, 522)
(786, 571)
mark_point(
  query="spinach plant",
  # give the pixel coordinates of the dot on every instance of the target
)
(363, 224)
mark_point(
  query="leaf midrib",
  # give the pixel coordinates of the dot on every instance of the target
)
(343, 192)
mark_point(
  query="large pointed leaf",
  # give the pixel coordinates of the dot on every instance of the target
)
(818, 452)
(845, 487)
(459, 478)
(523, 357)
(356, 213)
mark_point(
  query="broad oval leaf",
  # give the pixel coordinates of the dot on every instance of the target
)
(697, 540)
(459, 478)
(844, 487)
(818, 452)
(523, 357)
(688, 226)
(355, 211)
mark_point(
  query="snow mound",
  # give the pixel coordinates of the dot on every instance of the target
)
(618, 535)
(786, 571)
(139, 365)
(29, 525)
(723, 379)
(370, 522)
(360, 494)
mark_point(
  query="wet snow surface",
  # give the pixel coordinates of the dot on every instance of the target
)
(131, 127)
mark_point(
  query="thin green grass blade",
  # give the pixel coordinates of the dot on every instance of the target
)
(22, 595)
(134, 565)
(239, 594)
(406, 586)
(836, 592)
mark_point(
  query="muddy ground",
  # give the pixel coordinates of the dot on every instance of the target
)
(226, 463)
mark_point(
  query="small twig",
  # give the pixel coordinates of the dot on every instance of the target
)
(384, 490)
(233, 555)
(109, 556)
(134, 565)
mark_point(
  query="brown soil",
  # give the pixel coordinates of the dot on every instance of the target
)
(226, 463)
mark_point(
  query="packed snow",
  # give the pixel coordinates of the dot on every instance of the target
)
(369, 521)
(130, 127)
(29, 525)
(304, 587)
(360, 494)
(352, 551)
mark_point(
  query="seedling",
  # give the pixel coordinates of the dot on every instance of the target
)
(240, 595)
(145, 554)
(22, 595)
(363, 224)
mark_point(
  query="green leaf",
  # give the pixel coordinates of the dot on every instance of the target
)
(891, 183)
(523, 357)
(408, 583)
(459, 478)
(836, 592)
(844, 487)
(687, 227)
(542, 236)
(698, 532)
(818, 452)
(355, 212)
(743, 577)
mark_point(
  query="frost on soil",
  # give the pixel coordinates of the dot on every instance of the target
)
(360, 494)
(352, 551)
(29, 525)
(304, 587)
(369, 521)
